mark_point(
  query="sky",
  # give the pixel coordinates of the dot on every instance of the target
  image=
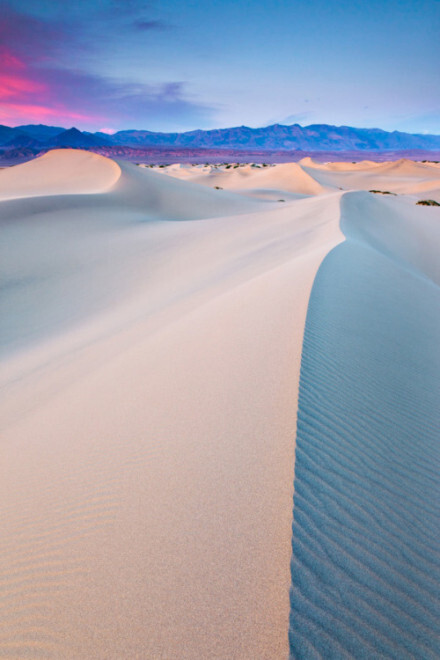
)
(175, 65)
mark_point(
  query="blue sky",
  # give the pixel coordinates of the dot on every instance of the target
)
(180, 65)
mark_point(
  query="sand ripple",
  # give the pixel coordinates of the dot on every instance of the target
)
(366, 551)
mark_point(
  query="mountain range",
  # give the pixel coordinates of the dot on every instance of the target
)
(277, 137)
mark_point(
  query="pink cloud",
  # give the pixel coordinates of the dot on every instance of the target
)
(25, 95)
(14, 86)
(16, 112)
(34, 86)
(9, 60)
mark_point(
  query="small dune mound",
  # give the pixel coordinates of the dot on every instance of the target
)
(405, 167)
(290, 177)
(59, 172)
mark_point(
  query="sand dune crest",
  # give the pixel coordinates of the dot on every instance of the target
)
(59, 172)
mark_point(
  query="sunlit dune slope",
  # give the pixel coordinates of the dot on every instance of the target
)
(59, 172)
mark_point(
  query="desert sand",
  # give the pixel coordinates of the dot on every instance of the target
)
(152, 331)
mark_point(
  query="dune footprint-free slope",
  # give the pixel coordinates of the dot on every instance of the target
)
(366, 547)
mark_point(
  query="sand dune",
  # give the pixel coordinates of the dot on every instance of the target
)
(400, 177)
(151, 339)
(291, 180)
(309, 162)
(59, 172)
(165, 199)
(344, 167)
(147, 443)
(365, 548)
(287, 177)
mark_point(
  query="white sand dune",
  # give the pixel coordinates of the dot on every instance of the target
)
(365, 567)
(341, 166)
(59, 172)
(148, 417)
(292, 180)
(161, 198)
(151, 338)
(400, 177)
(276, 179)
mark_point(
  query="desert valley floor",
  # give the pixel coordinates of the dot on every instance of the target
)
(220, 410)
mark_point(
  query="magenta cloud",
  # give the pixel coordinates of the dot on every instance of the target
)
(36, 87)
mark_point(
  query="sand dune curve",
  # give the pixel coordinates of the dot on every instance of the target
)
(365, 566)
(399, 177)
(286, 177)
(59, 172)
(147, 417)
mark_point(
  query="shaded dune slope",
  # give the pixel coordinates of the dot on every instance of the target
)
(366, 552)
(169, 198)
(65, 254)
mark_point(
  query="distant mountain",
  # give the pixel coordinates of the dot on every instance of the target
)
(146, 138)
(41, 132)
(307, 139)
(7, 134)
(76, 139)
(23, 140)
(316, 137)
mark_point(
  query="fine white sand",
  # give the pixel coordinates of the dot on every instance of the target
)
(59, 172)
(148, 415)
(365, 566)
(292, 180)
(259, 180)
(151, 334)
(401, 177)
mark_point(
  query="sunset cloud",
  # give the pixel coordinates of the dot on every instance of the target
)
(35, 86)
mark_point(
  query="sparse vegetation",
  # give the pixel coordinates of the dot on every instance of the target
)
(427, 202)
(382, 192)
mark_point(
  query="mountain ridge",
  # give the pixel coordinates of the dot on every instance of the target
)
(280, 137)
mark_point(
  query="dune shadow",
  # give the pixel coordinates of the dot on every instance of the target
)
(366, 549)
